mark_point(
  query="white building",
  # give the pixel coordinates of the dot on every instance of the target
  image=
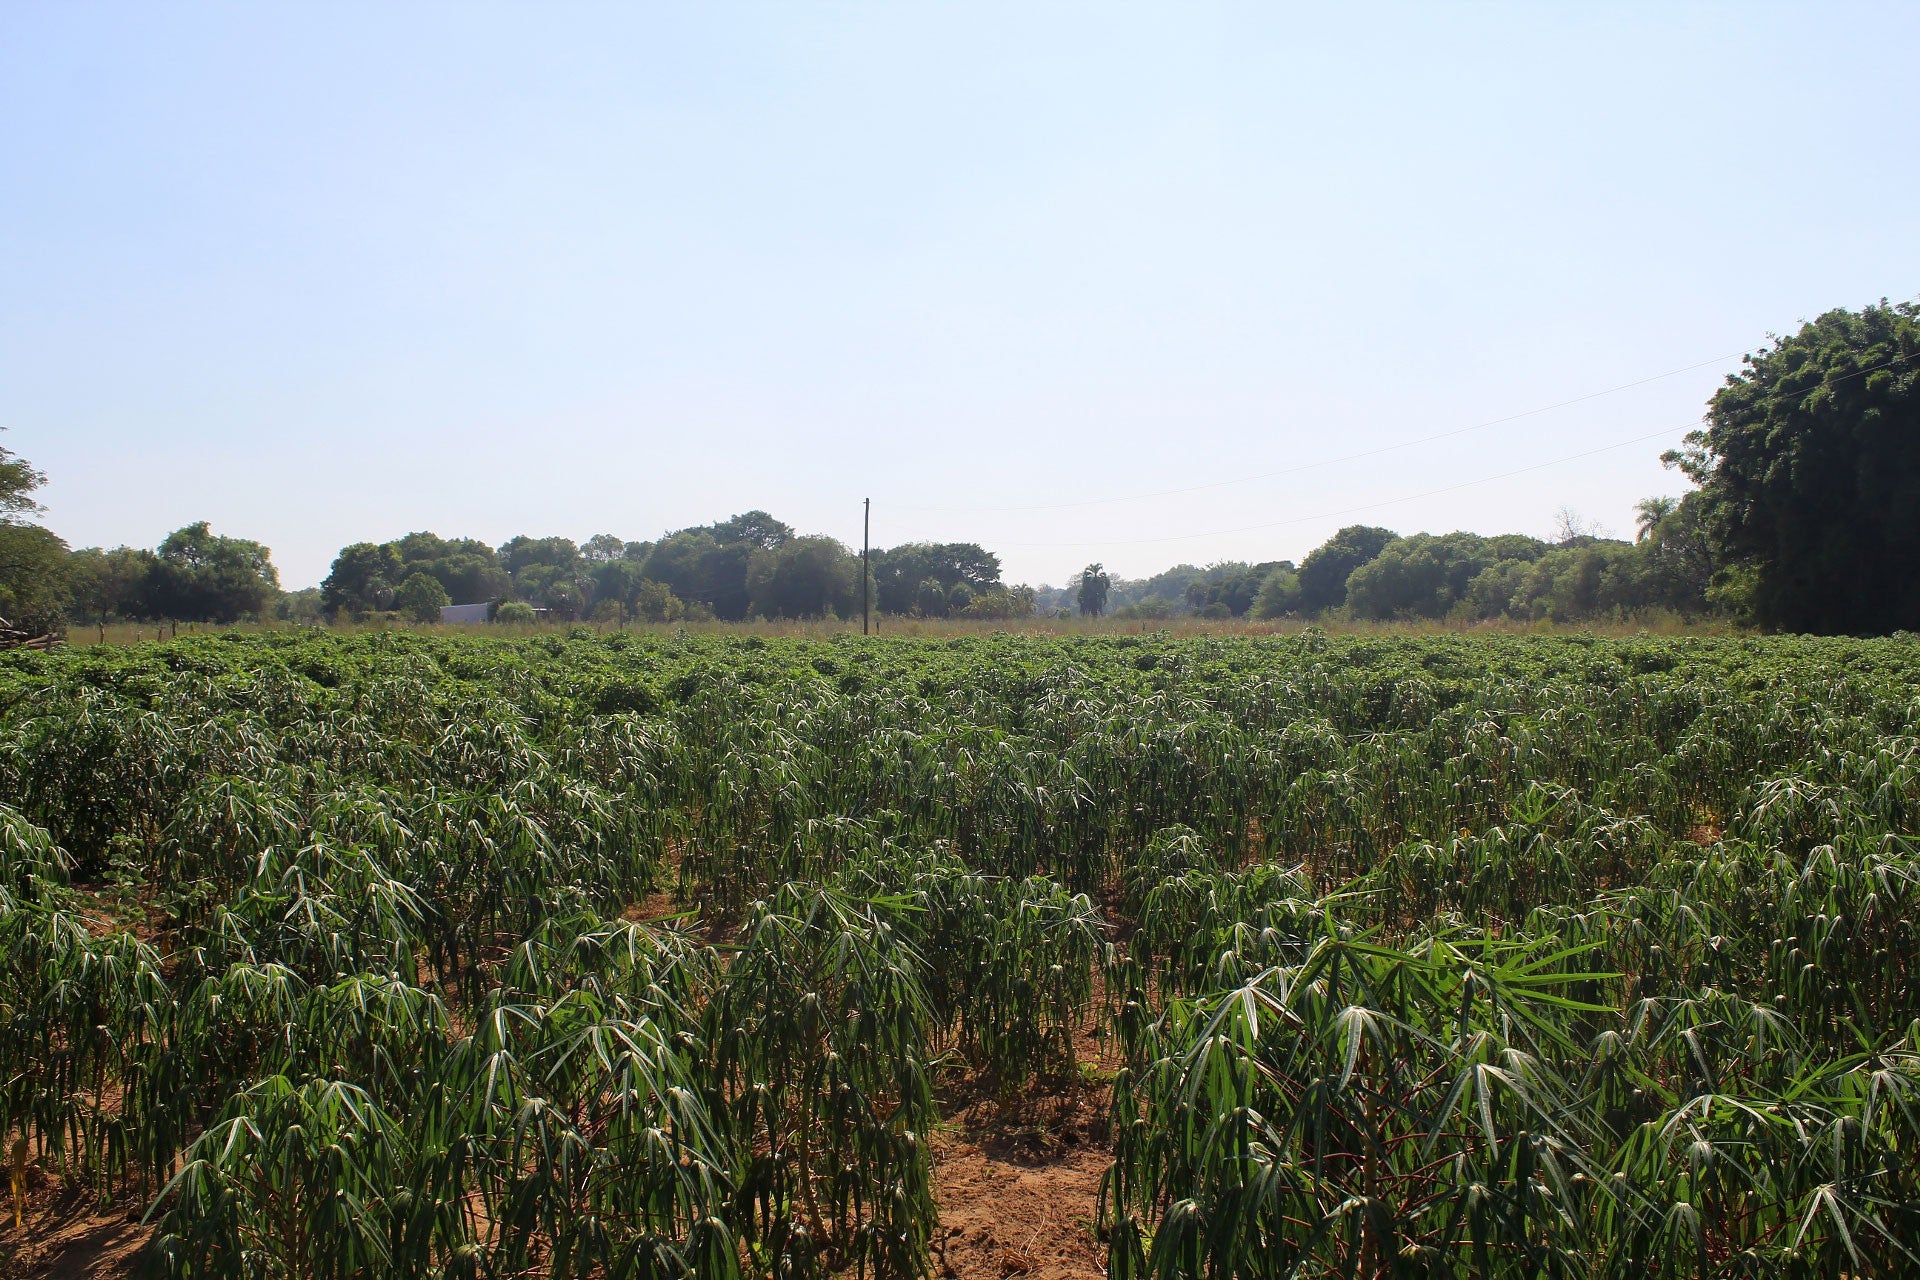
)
(452, 613)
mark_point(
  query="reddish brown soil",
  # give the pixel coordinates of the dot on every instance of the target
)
(1016, 1199)
(66, 1234)
(1003, 1217)
(1018, 1182)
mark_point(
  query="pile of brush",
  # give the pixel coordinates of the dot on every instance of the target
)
(12, 637)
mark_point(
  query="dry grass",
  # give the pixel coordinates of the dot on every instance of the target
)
(122, 633)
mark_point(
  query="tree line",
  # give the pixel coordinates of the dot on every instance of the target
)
(1804, 516)
(750, 565)
(1368, 573)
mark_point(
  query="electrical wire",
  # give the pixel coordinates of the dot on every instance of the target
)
(1348, 511)
(1360, 456)
(1427, 493)
(1296, 468)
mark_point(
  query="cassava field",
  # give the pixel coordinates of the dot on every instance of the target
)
(656, 956)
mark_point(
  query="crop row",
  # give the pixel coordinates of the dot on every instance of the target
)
(648, 957)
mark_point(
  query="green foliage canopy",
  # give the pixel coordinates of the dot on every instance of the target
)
(201, 576)
(421, 597)
(1809, 472)
(1324, 573)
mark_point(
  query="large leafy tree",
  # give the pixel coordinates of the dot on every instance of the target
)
(33, 576)
(1425, 576)
(204, 577)
(1279, 592)
(805, 577)
(699, 567)
(755, 528)
(522, 552)
(106, 585)
(1324, 573)
(1809, 474)
(363, 579)
(899, 573)
(681, 561)
(604, 547)
(551, 573)
(33, 562)
(467, 568)
(1229, 587)
(421, 597)
(18, 480)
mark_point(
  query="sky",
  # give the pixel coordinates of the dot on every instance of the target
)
(1137, 284)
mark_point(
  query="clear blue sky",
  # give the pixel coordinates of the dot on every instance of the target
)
(322, 273)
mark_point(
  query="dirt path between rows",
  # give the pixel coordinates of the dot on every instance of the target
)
(1002, 1218)
(67, 1236)
(1017, 1198)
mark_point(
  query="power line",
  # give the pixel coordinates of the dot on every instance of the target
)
(1362, 455)
(1335, 461)
(1428, 493)
(1347, 511)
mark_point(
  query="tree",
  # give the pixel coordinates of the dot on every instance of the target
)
(1648, 513)
(421, 597)
(1169, 585)
(755, 528)
(1424, 576)
(1279, 593)
(302, 606)
(109, 585)
(362, 580)
(1809, 475)
(18, 480)
(33, 562)
(1091, 595)
(1231, 584)
(515, 613)
(550, 572)
(602, 547)
(1679, 548)
(1324, 573)
(704, 571)
(204, 577)
(655, 602)
(617, 581)
(899, 572)
(521, 552)
(809, 577)
(930, 599)
(679, 560)
(468, 568)
(1571, 529)
(33, 576)
(1000, 602)
(562, 592)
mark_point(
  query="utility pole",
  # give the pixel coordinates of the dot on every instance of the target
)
(866, 554)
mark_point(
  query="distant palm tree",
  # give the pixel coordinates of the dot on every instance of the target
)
(1650, 512)
(1094, 585)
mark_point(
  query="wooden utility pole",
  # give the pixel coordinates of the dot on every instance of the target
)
(866, 554)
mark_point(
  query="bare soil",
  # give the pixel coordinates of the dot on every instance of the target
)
(1015, 1200)
(1004, 1214)
(67, 1235)
(1018, 1186)
(1018, 1180)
